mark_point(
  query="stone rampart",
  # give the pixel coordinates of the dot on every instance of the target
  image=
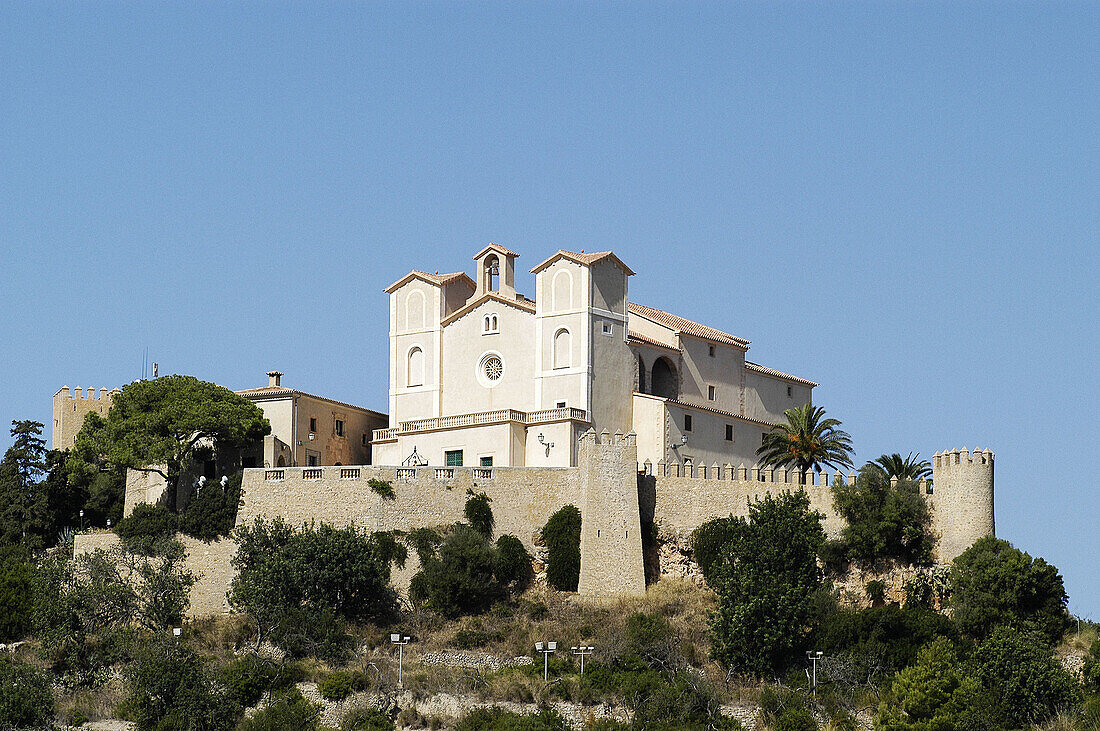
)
(961, 499)
(69, 410)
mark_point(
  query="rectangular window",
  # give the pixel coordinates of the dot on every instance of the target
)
(339, 428)
(486, 461)
(710, 392)
(729, 432)
(313, 423)
(711, 351)
(366, 440)
(790, 392)
(608, 329)
(312, 460)
(687, 422)
(560, 405)
(453, 458)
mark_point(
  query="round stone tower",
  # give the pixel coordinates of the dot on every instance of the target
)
(961, 498)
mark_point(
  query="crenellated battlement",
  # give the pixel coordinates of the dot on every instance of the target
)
(70, 408)
(103, 395)
(957, 457)
(607, 439)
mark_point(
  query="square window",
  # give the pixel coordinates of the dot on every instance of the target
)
(486, 461)
(453, 457)
(729, 432)
(687, 422)
(313, 423)
(711, 351)
(608, 328)
(710, 392)
(339, 428)
(560, 405)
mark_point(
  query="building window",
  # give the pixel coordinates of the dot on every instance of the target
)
(493, 368)
(486, 461)
(729, 432)
(790, 392)
(687, 422)
(339, 428)
(366, 440)
(313, 424)
(559, 405)
(415, 374)
(608, 328)
(453, 457)
(710, 350)
(710, 392)
(311, 460)
(491, 325)
(563, 349)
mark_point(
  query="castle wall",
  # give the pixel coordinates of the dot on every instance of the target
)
(961, 499)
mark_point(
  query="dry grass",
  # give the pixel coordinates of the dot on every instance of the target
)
(77, 706)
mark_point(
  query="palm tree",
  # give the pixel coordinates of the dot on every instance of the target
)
(807, 440)
(893, 465)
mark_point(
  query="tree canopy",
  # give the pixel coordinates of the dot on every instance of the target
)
(156, 425)
(903, 468)
(884, 519)
(807, 441)
(24, 509)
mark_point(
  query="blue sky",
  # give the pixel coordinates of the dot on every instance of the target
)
(900, 201)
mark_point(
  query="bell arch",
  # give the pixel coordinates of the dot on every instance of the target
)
(664, 380)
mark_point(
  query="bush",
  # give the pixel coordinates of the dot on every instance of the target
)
(382, 487)
(478, 513)
(16, 597)
(170, 689)
(1090, 672)
(512, 563)
(1019, 671)
(295, 584)
(766, 585)
(247, 678)
(711, 544)
(145, 526)
(288, 711)
(498, 719)
(884, 520)
(562, 537)
(934, 693)
(366, 718)
(212, 512)
(876, 591)
(460, 580)
(26, 695)
(993, 583)
(795, 719)
(339, 684)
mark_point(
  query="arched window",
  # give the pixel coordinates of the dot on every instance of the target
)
(563, 349)
(490, 323)
(416, 367)
(663, 379)
(414, 311)
(640, 386)
(493, 318)
(562, 291)
(492, 273)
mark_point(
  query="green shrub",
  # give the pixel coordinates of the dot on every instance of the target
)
(884, 520)
(468, 639)
(290, 710)
(382, 487)
(994, 583)
(1028, 683)
(307, 632)
(366, 718)
(212, 512)
(711, 544)
(562, 537)
(795, 719)
(933, 693)
(876, 591)
(145, 526)
(425, 542)
(26, 695)
(339, 684)
(248, 677)
(170, 689)
(16, 595)
(1090, 672)
(512, 563)
(498, 719)
(478, 513)
(460, 580)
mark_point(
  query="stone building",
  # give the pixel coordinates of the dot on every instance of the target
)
(70, 409)
(481, 375)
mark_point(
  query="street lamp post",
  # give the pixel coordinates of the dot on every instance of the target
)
(400, 640)
(81, 520)
(582, 652)
(813, 656)
(547, 649)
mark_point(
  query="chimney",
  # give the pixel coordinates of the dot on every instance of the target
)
(274, 379)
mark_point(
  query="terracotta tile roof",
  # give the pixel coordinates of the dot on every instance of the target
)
(276, 391)
(687, 327)
(638, 337)
(437, 279)
(722, 412)
(496, 247)
(778, 374)
(582, 258)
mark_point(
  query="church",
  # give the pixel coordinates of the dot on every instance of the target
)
(482, 376)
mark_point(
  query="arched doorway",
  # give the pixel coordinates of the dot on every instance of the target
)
(663, 379)
(640, 385)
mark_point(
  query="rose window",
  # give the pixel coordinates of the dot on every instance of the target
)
(493, 368)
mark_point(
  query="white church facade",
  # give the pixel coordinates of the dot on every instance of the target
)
(482, 376)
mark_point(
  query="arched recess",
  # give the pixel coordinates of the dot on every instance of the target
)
(562, 291)
(563, 349)
(415, 372)
(639, 386)
(664, 381)
(414, 311)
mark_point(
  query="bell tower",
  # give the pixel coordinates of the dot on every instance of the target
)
(496, 271)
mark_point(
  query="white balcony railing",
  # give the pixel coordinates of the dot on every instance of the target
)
(482, 418)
